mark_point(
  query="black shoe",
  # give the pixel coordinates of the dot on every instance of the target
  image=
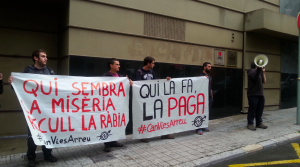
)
(107, 149)
(167, 137)
(116, 144)
(145, 140)
(50, 158)
(31, 163)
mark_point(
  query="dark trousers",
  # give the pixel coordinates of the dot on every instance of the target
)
(108, 144)
(32, 147)
(255, 110)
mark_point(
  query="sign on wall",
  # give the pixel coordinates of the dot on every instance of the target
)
(161, 107)
(231, 59)
(66, 111)
(219, 57)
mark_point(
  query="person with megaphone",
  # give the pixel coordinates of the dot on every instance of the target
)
(255, 92)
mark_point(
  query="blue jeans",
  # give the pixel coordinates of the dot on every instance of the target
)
(255, 110)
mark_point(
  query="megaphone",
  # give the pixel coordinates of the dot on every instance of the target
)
(261, 60)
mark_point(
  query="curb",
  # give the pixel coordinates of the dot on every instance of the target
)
(249, 149)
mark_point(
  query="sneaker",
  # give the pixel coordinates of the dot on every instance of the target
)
(31, 163)
(167, 137)
(251, 127)
(200, 132)
(116, 144)
(205, 129)
(145, 140)
(50, 158)
(107, 148)
(262, 126)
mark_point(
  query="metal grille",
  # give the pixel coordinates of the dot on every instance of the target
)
(164, 27)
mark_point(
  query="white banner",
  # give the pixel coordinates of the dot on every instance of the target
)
(161, 107)
(66, 111)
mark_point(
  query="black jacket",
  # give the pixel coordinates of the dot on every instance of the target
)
(142, 74)
(255, 83)
(45, 70)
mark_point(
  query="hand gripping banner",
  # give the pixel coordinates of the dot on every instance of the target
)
(66, 111)
(161, 107)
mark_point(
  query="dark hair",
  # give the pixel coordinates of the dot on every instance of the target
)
(253, 65)
(112, 61)
(36, 53)
(148, 59)
(205, 64)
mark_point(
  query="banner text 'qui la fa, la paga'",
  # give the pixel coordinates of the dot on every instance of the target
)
(164, 107)
(66, 111)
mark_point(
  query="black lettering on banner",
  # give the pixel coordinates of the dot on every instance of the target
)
(147, 94)
(189, 85)
(158, 108)
(146, 118)
(171, 86)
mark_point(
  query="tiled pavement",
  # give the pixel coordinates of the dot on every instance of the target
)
(228, 139)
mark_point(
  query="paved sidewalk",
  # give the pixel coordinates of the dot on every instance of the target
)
(228, 138)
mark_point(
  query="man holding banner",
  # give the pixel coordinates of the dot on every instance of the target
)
(39, 58)
(114, 66)
(146, 73)
(205, 72)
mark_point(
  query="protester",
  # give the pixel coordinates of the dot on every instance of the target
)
(205, 72)
(146, 73)
(114, 66)
(255, 94)
(39, 58)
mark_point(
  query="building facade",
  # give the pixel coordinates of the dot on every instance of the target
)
(81, 35)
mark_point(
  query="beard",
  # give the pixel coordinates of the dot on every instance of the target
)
(207, 71)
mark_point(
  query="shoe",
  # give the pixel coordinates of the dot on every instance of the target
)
(145, 140)
(107, 148)
(262, 126)
(31, 163)
(205, 129)
(116, 144)
(167, 137)
(50, 158)
(200, 132)
(251, 127)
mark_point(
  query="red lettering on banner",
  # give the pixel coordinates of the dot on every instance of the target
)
(60, 101)
(79, 91)
(42, 90)
(35, 106)
(200, 103)
(115, 120)
(73, 103)
(102, 120)
(104, 88)
(96, 87)
(56, 89)
(110, 103)
(169, 106)
(83, 88)
(112, 87)
(96, 104)
(193, 105)
(108, 120)
(40, 122)
(121, 89)
(69, 122)
(32, 122)
(84, 105)
(182, 105)
(49, 124)
(33, 91)
(83, 125)
(62, 125)
(92, 122)
(123, 120)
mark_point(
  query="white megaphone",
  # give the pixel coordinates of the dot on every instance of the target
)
(261, 60)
